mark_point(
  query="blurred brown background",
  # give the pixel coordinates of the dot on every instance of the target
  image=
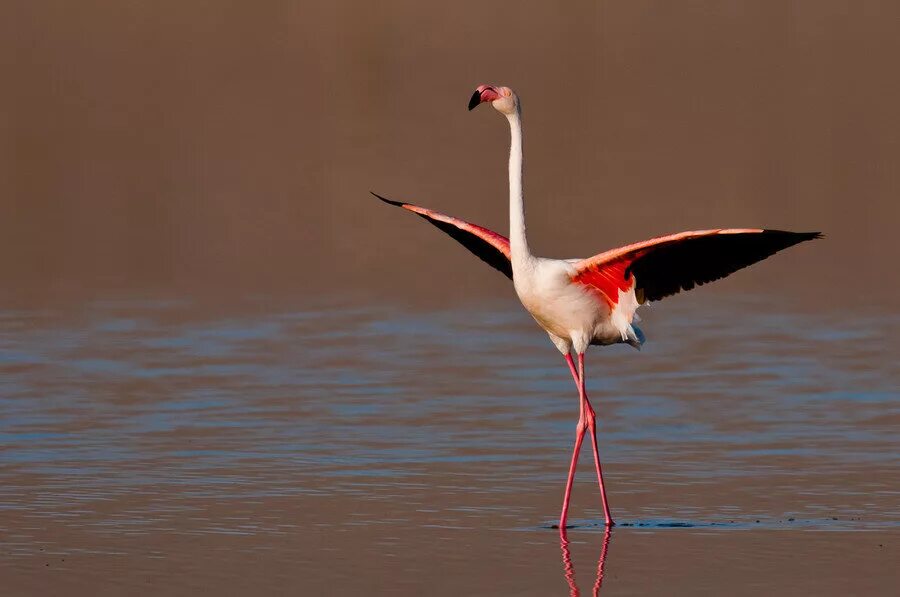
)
(216, 147)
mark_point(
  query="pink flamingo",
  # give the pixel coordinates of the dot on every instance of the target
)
(580, 302)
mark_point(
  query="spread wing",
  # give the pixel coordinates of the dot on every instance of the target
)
(666, 265)
(487, 245)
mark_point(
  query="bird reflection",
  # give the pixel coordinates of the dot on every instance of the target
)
(569, 568)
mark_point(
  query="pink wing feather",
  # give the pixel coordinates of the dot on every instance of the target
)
(487, 245)
(666, 265)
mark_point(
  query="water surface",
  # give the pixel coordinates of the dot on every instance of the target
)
(161, 447)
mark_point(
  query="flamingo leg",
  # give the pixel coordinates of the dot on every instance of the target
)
(587, 419)
(592, 423)
(579, 437)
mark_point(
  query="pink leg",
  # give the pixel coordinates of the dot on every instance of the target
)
(592, 423)
(579, 437)
(586, 419)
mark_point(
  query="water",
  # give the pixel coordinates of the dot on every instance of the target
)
(162, 447)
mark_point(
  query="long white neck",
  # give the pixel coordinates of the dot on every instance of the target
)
(517, 241)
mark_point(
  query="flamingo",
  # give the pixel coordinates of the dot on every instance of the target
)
(592, 301)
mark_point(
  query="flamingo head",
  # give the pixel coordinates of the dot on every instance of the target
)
(502, 98)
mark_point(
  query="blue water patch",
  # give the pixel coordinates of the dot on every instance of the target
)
(331, 401)
(834, 523)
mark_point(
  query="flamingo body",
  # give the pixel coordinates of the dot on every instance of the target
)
(580, 302)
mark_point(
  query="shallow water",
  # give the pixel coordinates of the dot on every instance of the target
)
(162, 447)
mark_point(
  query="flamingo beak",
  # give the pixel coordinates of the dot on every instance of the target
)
(476, 99)
(484, 93)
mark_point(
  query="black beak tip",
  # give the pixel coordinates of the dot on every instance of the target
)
(475, 100)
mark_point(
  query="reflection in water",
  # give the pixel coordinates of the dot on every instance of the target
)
(569, 567)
